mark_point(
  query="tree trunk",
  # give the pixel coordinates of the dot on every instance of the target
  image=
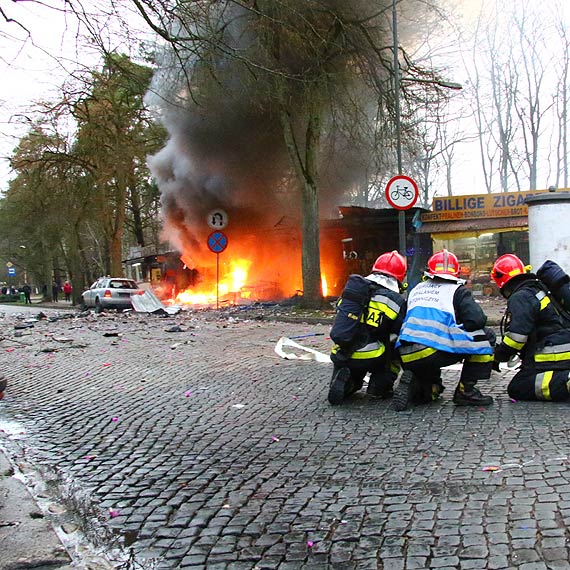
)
(305, 162)
(135, 203)
(116, 237)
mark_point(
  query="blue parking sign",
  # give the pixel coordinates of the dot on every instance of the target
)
(217, 242)
(11, 272)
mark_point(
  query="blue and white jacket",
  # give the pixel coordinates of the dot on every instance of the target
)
(431, 320)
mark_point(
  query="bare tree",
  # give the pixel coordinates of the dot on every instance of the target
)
(515, 57)
(562, 100)
(531, 106)
(495, 85)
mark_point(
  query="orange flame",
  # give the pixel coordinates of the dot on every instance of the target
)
(234, 279)
(324, 285)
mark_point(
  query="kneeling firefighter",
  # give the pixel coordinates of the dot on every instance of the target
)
(444, 325)
(369, 315)
(535, 328)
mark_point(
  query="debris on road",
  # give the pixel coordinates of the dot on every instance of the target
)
(148, 302)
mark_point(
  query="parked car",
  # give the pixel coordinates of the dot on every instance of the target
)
(110, 293)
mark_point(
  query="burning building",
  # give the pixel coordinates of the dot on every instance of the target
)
(264, 263)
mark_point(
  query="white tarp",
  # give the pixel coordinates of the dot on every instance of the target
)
(311, 354)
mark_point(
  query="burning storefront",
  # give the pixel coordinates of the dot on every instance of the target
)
(352, 242)
(262, 262)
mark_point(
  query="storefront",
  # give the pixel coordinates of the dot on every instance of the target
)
(478, 228)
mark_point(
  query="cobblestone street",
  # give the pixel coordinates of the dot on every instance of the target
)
(203, 448)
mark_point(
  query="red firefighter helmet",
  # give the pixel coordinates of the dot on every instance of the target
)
(393, 264)
(505, 268)
(444, 264)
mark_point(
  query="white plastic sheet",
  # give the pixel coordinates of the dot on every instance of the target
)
(309, 353)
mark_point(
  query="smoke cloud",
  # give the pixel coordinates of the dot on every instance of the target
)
(226, 146)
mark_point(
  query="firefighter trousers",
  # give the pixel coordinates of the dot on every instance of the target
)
(533, 385)
(427, 370)
(383, 374)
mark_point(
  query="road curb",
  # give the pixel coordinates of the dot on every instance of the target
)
(28, 539)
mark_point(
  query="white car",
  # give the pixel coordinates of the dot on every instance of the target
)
(110, 293)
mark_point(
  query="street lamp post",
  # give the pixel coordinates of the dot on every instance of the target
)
(401, 213)
(397, 112)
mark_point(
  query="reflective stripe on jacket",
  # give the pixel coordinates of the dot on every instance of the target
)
(431, 321)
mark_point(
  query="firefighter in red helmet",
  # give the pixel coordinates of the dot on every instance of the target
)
(536, 330)
(369, 315)
(444, 325)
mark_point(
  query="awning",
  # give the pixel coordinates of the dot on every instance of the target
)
(473, 228)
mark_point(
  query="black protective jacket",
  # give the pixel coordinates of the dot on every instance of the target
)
(467, 311)
(379, 328)
(534, 327)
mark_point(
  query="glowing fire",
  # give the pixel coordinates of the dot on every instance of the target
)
(234, 279)
(324, 285)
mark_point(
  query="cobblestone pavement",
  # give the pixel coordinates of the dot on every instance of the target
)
(204, 449)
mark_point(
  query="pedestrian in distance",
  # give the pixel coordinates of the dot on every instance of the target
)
(27, 290)
(3, 386)
(536, 328)
(55, 291)
(443, 326)
(67, 290)
(370, 311)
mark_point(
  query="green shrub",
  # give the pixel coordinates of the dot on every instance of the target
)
(10, 298)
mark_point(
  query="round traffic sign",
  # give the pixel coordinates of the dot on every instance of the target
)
(217, 242)
(402, 192)
(217, 219)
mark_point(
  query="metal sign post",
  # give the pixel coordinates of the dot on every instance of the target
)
(217, 281)
(217, 242)
(402, 193)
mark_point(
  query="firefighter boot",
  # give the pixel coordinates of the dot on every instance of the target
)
(339, 385)
(467, 395)
(425, 392)
(380, 386)
(3, 385)
(404, 392)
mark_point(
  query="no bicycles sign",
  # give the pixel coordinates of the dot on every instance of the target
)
(402, 192)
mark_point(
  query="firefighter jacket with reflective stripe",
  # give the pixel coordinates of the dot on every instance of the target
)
(535, 328)
(383, 318)
(443, 315)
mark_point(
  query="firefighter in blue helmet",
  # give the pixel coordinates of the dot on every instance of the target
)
(444, 325)
(535, 329)
(370, 311)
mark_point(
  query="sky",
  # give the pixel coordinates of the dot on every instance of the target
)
(35, 62)
(32, 66)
